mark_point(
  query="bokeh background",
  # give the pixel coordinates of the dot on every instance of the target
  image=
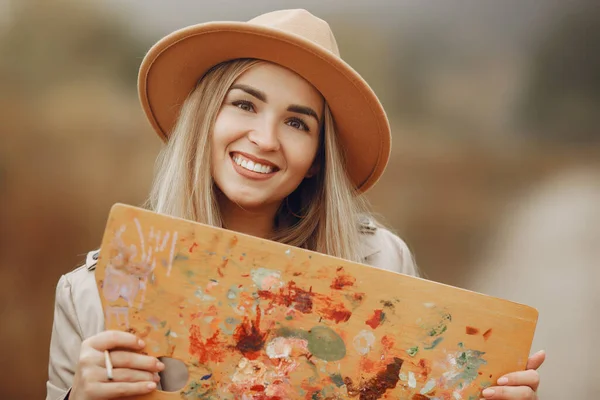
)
(494, 180)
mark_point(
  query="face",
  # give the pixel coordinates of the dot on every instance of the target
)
(266, 136)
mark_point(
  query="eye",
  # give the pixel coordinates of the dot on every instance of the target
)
(297, 123)
(244, 105)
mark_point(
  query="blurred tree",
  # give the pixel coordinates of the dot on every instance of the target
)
(72, 145)
(47, 43)
(563, 96)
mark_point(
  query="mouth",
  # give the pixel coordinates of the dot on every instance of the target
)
(252, 164)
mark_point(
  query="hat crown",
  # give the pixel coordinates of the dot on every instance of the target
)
(302, 23)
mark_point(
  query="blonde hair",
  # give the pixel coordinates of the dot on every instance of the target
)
(322, 214)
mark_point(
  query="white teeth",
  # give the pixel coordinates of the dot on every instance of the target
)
(252, 166)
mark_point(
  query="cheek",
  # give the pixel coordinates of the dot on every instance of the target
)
(301, 154)
(225, 131)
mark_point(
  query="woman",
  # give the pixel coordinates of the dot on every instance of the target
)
(268, 132)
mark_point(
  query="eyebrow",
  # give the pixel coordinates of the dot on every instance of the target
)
(296, 108)
(251, 91)
(303, 110)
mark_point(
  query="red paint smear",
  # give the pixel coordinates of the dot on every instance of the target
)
(223, 265)
(303, 301)
(359, 297)
(425, 369)
(376, 319)
(210, 350)
(265, 397)
(487, 334)
(290, 295)
(387, 342)
(193, 246)
(342, 280)
(249, 339)
(335, 312)
(472, 331)
(419, 397)
(367, 364)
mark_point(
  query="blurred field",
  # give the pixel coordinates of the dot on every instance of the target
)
(494, 180)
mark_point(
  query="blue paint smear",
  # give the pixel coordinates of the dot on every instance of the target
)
(434, 344)
(205, 377)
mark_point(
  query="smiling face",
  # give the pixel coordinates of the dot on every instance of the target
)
(266, 137)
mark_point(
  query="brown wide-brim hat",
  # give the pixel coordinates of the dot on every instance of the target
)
(294, 39)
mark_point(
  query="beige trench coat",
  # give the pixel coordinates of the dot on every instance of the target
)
(78, 311)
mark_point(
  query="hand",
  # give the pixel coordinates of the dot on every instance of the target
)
(133, 373)
(520, 385)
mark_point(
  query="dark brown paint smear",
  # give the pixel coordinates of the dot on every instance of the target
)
(377, 386)
(249, 339)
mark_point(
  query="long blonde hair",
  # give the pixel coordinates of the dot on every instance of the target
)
(322, 214)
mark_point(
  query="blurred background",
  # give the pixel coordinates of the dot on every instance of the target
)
(494, 181)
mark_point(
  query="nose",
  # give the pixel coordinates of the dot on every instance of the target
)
(265, 137)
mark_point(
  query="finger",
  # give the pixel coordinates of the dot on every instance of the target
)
(128, 359)
(127, 375)
(529, 378)
(108, 340)
(116, 390)
(536, 360)
(509, 393)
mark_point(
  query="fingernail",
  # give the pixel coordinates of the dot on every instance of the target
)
(156, 377)
(503, 381)
(488, 392)
(152, 386)
(160, 365)
(141, 343)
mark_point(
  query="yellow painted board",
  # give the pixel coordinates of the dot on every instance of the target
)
(256, 319)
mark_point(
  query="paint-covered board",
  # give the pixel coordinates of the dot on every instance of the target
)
(255, 319)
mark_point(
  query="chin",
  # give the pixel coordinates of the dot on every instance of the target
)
(249, 200)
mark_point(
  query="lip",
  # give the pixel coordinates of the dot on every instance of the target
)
(256, 176)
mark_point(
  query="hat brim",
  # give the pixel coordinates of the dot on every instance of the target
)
(173, 66)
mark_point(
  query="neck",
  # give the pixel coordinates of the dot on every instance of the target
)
(259, 223)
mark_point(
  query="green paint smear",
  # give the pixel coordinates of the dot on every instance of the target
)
(438, 330)
(337, 380)
(199, 391)
(181, 257)
(325, 344)
(291, 332)
(469, 361)
(441, 327)
(434, 344)
(413, 351)
(289, 318)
